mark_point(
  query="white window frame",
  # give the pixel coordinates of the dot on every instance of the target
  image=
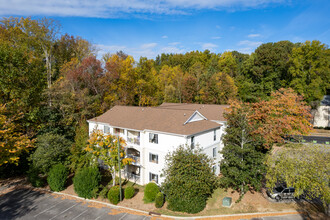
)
(106, 129)
(150, 158)
(153, 179)
(153, 138)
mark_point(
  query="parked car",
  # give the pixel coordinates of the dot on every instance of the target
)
(281, 192)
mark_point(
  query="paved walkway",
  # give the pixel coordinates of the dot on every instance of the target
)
(25, 203)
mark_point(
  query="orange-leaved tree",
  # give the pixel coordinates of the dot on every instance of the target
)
(12, 142)
(284, 114)
(105, 147)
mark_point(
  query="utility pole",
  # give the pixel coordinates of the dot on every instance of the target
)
(119, 169)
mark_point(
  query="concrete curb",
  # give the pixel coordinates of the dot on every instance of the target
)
(252, 215)
(228, 216)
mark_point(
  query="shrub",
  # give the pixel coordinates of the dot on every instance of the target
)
(34, 178)
(85, 181)
(189, 181)
(57, 177)
(104, 192)
(95, 192)
(129, 192)
(150, 192)
(159, 200)
(114, 195)
(51, 149)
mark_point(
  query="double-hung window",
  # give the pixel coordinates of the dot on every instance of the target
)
(153, 138)
(215, 152)
(215, 135)
(153, 177)
(153, 158)
(106, 129)
(192, 142)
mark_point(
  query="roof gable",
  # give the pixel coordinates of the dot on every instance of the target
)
(196, 116)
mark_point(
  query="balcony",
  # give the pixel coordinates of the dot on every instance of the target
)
(132, 173)
(133, 140)
(134, 154)
(135, 158)
(133, 137)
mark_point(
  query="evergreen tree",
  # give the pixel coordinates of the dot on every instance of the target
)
(189, 180)
(242, 164)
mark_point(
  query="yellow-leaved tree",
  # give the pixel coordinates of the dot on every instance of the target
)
(12, 142)
(105, 147)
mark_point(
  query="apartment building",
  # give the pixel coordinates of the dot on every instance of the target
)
(152, 132)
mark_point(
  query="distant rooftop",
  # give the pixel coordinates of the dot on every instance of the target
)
(168, 117)
(326, 100)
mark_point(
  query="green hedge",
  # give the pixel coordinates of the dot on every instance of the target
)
(34, 178)
(159, 200)
(114, 195)
(57, 177)
(129, 192)
(150, 192)
(85, 181)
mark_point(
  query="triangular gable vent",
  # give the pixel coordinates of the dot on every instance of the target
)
(196, 116)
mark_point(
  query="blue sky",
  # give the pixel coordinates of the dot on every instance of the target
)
(148, 28)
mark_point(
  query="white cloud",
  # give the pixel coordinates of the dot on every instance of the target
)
(209, 46)
(115, 8)
(216, 38)
(103, 49)
(148, 46)
(254, 35)
(171, 49)
(250, 43)
(164, 37)
(174, 43)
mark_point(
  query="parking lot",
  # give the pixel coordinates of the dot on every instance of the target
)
(28, 204)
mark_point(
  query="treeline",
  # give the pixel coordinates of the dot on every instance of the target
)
(50, 82)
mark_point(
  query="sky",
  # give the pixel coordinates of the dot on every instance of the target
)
(148, 28)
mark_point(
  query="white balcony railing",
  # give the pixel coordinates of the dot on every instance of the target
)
(135, 158)
(131, 176)
(133, 140)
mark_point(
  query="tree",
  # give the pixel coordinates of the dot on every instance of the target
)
(51, 149)
(306, 168)
(21, 84)
(242, 164)
(105, 147)
(79, 157)
(12, 142)
(284, 114)
(189, 179)
(309, 70)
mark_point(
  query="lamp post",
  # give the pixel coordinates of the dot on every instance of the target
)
(120, 196)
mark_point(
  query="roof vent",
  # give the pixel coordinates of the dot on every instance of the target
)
(184, 114)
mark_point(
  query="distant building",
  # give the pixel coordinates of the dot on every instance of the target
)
(152, 132)
(322, 113)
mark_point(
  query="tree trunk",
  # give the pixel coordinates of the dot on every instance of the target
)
(113, 174)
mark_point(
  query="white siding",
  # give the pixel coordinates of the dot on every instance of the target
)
(322, 117)
(166, 143)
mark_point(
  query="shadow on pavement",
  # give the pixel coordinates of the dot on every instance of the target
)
(18, 202)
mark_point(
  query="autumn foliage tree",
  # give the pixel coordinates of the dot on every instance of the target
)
(105, 147)
(284, 114)
(12, 142)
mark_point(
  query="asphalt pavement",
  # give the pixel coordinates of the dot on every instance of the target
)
(27, 204)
